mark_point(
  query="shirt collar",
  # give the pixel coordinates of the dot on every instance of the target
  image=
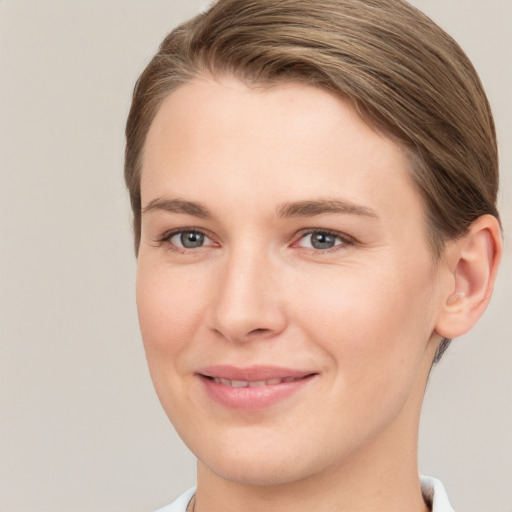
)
(435, 495)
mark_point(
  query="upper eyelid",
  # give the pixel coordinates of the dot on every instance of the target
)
(165, 240)
(166, 235)
(343, 236)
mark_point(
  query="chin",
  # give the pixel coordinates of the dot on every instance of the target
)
(259, 464)
(255, 473)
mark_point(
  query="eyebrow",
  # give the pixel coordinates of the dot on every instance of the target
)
(311, 208)
(178, 206)
(306, 208)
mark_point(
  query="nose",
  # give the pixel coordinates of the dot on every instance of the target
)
(248, 303)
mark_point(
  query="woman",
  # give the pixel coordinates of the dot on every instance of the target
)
(314, 194)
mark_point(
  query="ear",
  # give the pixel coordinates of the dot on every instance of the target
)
(472, 264)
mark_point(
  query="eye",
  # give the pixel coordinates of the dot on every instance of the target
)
(322, 240)
(188, 239)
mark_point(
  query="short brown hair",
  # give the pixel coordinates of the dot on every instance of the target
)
(404, 74)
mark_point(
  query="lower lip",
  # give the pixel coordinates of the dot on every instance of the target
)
(252, 398)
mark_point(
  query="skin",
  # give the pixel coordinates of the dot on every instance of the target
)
(365, 315)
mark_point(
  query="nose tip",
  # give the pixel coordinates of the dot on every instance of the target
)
(240, 322)
(248, 304)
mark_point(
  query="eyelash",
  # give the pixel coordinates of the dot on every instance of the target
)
(168, 235)
(345, 240)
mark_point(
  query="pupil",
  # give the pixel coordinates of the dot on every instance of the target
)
(322, 241)
(191, 240)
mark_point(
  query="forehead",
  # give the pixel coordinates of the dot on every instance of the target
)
(276, 143)
(291, 109)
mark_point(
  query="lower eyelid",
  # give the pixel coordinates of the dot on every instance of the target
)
(167, 238)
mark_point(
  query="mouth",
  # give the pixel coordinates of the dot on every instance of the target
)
(253, 383)
(253, 388)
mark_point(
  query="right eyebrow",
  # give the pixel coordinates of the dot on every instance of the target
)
(177, 206)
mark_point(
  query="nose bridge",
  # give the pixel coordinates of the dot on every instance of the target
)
(248, 304)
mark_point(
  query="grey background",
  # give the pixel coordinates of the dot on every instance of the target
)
(80, 426)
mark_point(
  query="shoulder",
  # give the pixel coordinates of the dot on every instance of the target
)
(179, 504)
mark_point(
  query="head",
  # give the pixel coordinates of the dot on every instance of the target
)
(313, 186)
(405, 76)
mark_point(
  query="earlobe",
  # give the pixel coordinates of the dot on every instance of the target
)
(473, 263)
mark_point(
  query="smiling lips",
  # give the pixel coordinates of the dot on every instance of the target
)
(254, 383)
(253, 388)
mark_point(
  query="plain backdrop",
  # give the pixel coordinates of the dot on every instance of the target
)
(81, 429)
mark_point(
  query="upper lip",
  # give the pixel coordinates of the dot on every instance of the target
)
(252, 373)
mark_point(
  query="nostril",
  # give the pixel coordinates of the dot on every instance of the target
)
(258, 331)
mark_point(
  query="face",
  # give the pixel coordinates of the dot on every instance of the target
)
(286, 291)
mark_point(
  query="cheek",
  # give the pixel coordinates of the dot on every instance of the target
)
(365, 315)
(375, 334)
(170, 309)
(169, 306)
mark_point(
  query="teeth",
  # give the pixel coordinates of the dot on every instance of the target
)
(239, 383)
(218, 380)
(254, 383)
(257, 383)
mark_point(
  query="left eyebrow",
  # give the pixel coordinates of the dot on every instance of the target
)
(310, 208)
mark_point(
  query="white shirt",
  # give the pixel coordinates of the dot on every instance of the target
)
(432, 489)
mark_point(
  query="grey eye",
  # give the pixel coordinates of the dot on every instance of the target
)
(321, 240)
(188, 239)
